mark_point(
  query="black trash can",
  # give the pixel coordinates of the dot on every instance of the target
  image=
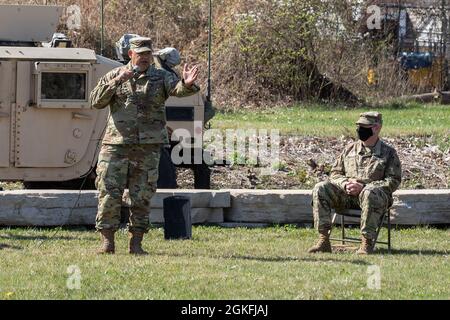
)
(177, 218)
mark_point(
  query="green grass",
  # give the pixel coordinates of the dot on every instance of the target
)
(220, 264)
(11, 185)
(328, 121)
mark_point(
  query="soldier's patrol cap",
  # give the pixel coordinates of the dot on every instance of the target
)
(141, 44)
(370, 118)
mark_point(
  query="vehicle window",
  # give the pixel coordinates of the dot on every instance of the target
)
(63, 86)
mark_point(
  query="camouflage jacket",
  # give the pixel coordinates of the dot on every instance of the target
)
(378, 166)
(137, 105)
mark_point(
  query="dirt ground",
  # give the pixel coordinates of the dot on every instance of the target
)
(306, 160)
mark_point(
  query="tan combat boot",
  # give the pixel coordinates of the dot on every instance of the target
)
(107, 236)
(366, 246)
(136, 242)
(324, 244)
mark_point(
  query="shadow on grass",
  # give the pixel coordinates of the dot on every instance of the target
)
(36, 237)
(7, 246)
(412, 252)
(274, 259)
(303, 259)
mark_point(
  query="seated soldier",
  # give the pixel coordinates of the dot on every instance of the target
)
(364, 176)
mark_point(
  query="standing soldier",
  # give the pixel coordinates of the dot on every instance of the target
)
(129, 156)
(365, 175)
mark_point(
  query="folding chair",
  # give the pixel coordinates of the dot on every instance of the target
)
(356, 213)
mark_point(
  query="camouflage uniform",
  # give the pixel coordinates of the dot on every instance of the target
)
(134, 133)
(378, 168)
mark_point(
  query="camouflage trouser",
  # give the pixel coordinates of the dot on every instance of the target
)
(373, 202)
(119, 167)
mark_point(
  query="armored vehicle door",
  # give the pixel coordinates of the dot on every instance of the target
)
(53, 120)
(6, 85)
(48, 130)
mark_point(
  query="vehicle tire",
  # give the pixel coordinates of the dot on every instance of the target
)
(75, 184)
(167, 178)
(84, 183)
(202, 176)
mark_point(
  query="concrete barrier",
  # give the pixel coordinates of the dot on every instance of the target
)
(226, 207)
(411, 207)
(63, 207)
(269, 206)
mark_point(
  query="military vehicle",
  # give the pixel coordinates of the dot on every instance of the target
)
(49, 134)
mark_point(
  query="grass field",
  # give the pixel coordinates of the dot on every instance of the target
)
(220, 263)
(327, 121)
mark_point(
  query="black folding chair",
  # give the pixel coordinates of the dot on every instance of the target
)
(356, 213)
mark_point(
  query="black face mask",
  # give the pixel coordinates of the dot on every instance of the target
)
(364, 133)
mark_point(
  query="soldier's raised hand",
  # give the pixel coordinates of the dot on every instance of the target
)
(190, 75)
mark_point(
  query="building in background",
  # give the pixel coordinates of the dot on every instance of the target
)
(420, 35)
